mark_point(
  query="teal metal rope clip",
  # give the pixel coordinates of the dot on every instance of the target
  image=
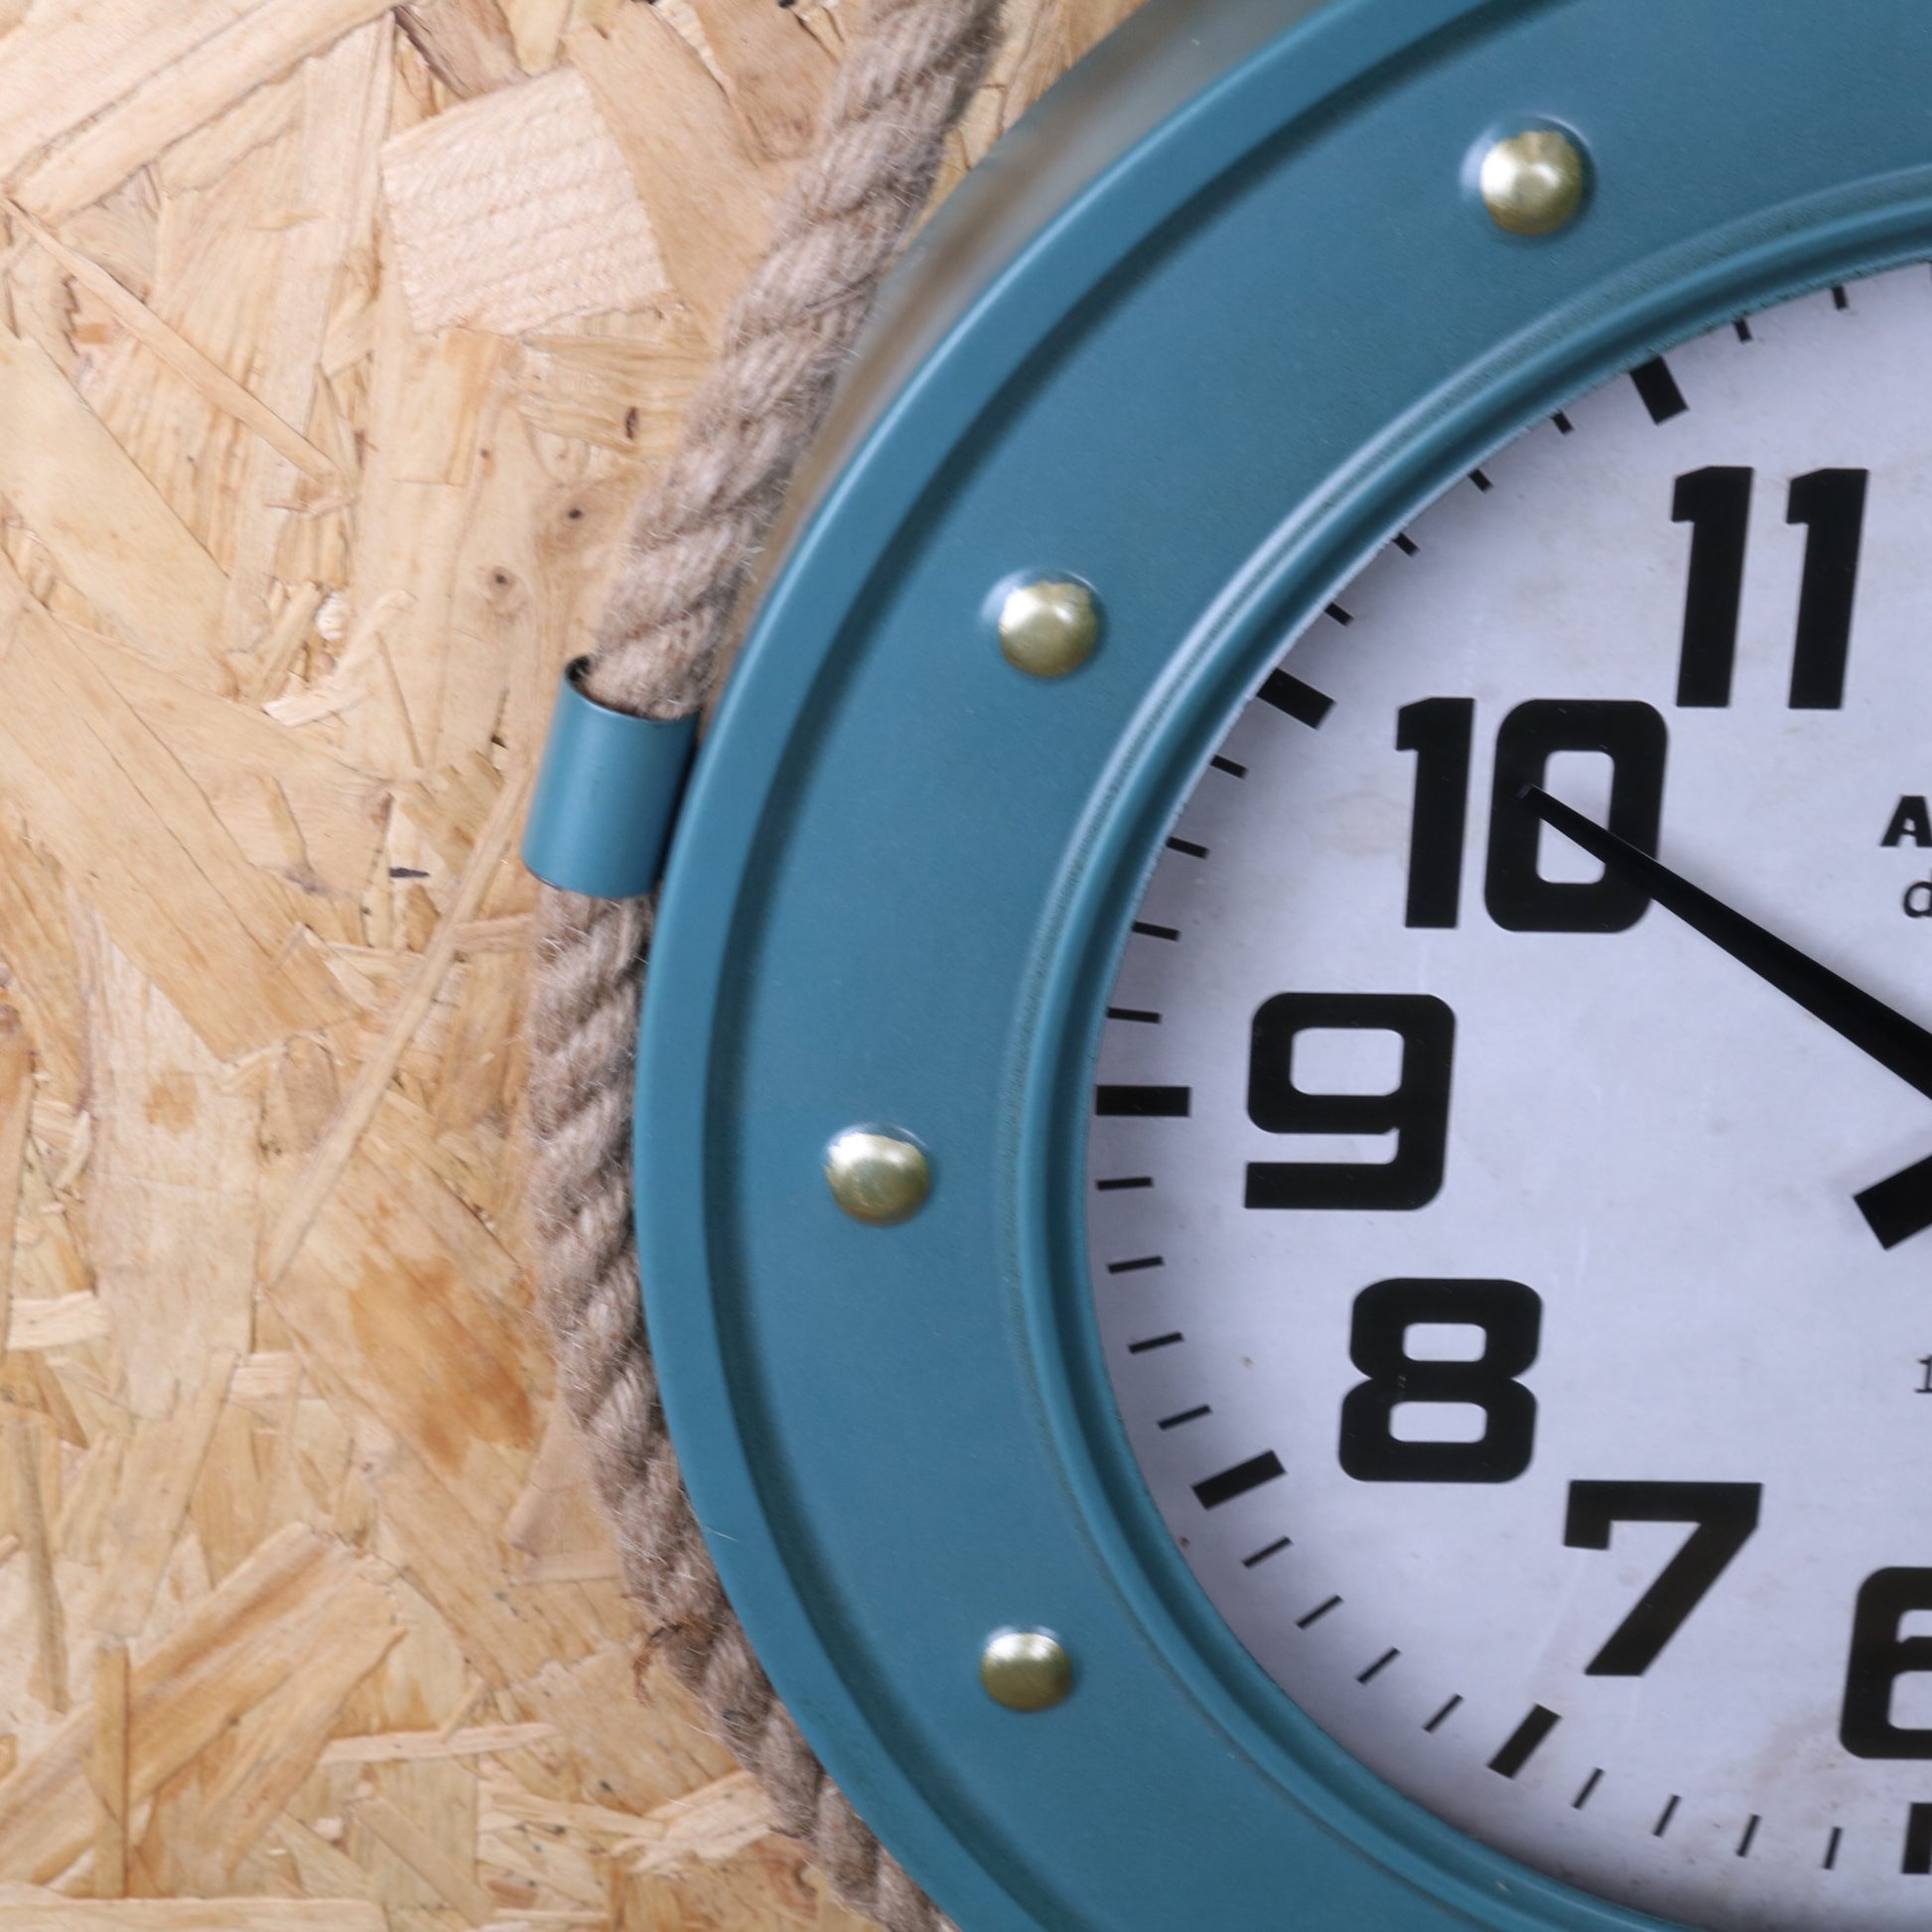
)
(607, 796)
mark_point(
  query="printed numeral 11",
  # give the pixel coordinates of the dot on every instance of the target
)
(1715, 503)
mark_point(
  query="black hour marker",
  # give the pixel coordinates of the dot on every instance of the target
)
(1840, 300)
(1519, 898)
(1154, 1341)
(1416, 1112)
(1523, 1740)
(1884, 1649)
(1216, 1490)
(1187, 846)
(1663, 1823)
(1659, 392)
(1339, 615)
(1724, 1516)
(1118, 1181)
(1228, 766)
(1917, 1861)
(1378, 1666)
(1751, 1832)
(1634, 738)
(1481, 481)
(1744, 329)
(1266, 1551)
(1140, 1013)
(1407, 544)
(1444, 1714)
(1590, 1784)
(1148, 930)
(1832, 1845)
(1510, 1317)
(1187, 1414)
(1317, 1613)
(1715, 503)
(1830, 503)
(1302, 702)
(1564, 427)
(1438, 731)
(1144, 1103)
(1134, 1266)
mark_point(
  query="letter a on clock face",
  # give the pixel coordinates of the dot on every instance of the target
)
(1510, 1178)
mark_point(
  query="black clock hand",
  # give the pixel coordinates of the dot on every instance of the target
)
(1888, 1036)
(1895, 1208)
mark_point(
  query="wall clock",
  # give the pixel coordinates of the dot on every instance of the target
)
(1285, 1127)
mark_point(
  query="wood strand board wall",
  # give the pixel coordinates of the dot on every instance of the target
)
(336, 336)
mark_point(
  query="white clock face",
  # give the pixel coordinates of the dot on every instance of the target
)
(1514, 1265)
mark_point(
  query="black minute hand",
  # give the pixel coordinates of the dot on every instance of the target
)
(1869, 1025)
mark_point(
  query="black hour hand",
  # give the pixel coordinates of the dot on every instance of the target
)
(1895, 1208)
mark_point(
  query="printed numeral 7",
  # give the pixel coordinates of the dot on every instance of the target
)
(1725, 1514)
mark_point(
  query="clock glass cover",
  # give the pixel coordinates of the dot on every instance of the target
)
(1513, 1260)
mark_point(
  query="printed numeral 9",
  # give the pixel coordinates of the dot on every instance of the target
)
(1414, 1110)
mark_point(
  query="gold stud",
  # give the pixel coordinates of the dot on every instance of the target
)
(1048, 627)
(1533, 183)
(877, 1178)
(1026, 1670)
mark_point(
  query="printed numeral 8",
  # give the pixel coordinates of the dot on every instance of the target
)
(1510, 1317)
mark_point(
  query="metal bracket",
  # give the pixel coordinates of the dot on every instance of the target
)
(607, 796)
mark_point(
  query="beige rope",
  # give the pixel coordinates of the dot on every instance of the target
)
(902, 86)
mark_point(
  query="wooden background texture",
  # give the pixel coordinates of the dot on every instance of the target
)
(336, 337)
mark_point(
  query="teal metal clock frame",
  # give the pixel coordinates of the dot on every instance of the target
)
(1217, 319)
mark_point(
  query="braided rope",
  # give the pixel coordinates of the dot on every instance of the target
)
(902, 86)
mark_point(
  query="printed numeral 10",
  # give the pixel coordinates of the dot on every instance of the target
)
(1519, 898)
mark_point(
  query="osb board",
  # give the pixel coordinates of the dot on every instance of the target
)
(335, 338)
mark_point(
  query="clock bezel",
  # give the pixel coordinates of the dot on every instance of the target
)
(870, 1623)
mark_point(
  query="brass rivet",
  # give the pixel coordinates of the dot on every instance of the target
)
(1533, 183)
(877, 1178)
(1026, 1670)
(1048, 627)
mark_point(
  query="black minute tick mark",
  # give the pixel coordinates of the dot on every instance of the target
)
(1443, 1715)
(1590, 1784)
(1266, 1551)
(1134, 1266)
(1378, 1666)
(1832, 1845)
(1317, 1613)
(1187, 1414)
(1751, 1832)
(1663, 1824)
